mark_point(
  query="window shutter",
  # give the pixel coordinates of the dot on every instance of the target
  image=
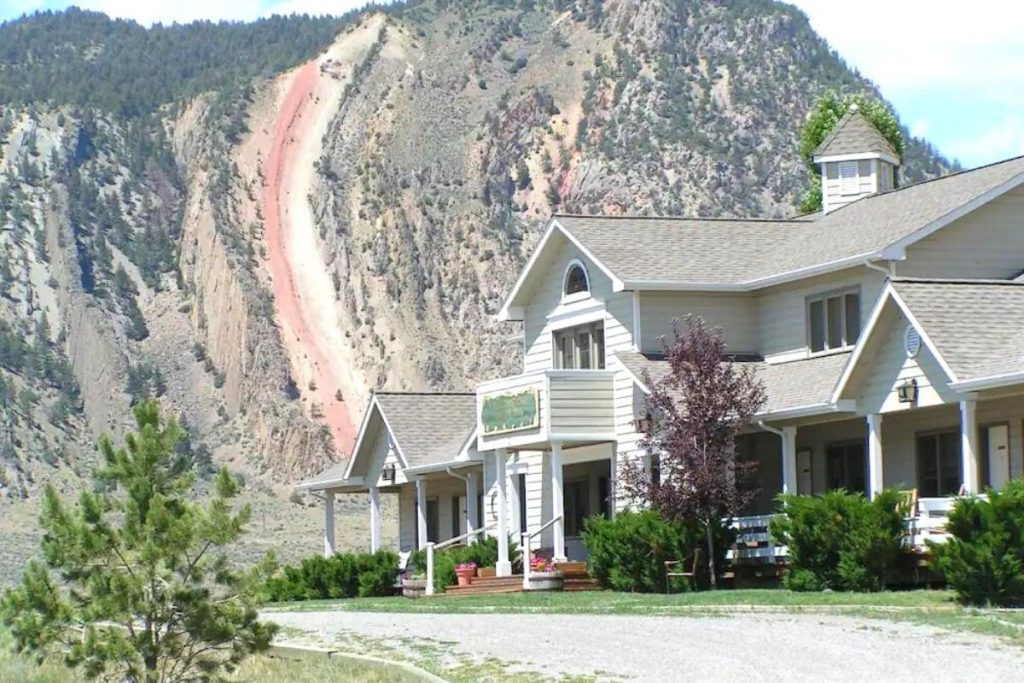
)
(848, 178)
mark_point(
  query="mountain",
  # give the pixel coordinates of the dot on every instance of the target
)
(261, 222)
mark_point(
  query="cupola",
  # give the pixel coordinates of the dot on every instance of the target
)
(856, 160)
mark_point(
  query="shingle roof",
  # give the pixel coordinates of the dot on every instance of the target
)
(429, 428)
(977, 327)
(741, 252)
(796, 384)
(854, 134)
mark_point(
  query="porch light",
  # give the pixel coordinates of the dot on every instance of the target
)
(388, 473)
(907, 392)
(642, 425)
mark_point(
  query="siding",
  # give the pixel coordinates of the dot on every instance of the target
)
(833, 195)
(581, 402)
(616, 310)
(782, 310)
(736, 315)
(986, 243)
(442, 488)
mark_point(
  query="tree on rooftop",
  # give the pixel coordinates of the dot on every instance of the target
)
(696, 411)
(823, 117)
(135, 584)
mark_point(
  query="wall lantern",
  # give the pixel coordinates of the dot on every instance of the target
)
(642, 425)
(907, 392)
(388, 473)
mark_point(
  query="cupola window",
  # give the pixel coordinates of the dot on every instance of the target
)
(576, 280)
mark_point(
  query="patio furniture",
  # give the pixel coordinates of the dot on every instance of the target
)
(675, 569)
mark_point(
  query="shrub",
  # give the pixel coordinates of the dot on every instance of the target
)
(628, 553)
(343, 575)
(984, 560)
(840, 540)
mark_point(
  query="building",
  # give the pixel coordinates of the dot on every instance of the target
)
(887, 330)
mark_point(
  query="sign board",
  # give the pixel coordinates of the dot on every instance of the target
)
(510, 412)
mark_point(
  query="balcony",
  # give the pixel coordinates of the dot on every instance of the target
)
(533, 409)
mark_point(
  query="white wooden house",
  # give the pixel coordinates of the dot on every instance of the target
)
(887, 329)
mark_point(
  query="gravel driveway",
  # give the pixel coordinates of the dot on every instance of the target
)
(748, 647)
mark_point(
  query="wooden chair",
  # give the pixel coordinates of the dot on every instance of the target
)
(676, 569)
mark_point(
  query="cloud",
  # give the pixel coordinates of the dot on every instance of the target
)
(952, 73)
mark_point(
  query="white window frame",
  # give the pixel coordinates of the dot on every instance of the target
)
(853, 179)
(556, 354)
(823, 297)
(575, 296)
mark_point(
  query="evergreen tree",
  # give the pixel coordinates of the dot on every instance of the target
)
(135, 584)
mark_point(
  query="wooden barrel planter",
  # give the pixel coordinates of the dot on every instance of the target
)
(546, 581)
(414, 588)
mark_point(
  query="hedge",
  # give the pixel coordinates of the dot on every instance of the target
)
(984, 560)
(839, 540)
(628, 553)
(343, 575)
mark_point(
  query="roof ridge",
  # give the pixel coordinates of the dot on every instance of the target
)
(721, 219)
(376, 392)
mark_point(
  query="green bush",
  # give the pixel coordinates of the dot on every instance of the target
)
(840, 540)
(343, 575)
(984, 560)
(628, 553)
(484, 553)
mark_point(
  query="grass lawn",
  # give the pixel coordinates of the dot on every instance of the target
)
(607, 602)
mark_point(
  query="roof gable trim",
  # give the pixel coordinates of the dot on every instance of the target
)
(510, 312)
(374, 406)
(888, 294)
(897, 250)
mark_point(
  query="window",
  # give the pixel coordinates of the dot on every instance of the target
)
(433, 520)
(849, 180)
(846, 467)
(456, 517)
(938, 464)
(833, 321)
(521, 484)
(580, 348)
(885, 176)
(575, 495)
(576, 280)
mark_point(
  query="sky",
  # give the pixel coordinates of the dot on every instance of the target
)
(955, 77)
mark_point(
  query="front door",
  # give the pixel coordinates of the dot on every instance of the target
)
(998, 452)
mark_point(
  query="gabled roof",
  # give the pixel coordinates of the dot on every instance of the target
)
(974, 328)
(795, 387)
(855, 135)
(650, 253)
(425, 428)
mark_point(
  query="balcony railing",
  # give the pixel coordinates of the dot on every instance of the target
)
(539, 407)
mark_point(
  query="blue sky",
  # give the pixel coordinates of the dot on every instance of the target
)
(955, 77)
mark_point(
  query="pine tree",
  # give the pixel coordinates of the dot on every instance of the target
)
(135, 584)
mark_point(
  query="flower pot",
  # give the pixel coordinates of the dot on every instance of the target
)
(546, 581)
(465, 576)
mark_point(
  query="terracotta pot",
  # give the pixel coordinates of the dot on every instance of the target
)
(465, 576)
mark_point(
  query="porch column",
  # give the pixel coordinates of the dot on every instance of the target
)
(374, 519)
(504, 567)
(472, 520)
(557, 504)
(969, 445)
(789, 461)
(328, 523)
(874, 454)
(613, 481)
(421, 513)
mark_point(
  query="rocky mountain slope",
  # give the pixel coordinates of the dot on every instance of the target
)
(260, 245)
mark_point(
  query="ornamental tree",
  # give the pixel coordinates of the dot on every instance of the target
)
(697, 409)
(135, 584)
(823, 117)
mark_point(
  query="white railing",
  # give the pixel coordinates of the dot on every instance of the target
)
(527, 548)
(431, 547)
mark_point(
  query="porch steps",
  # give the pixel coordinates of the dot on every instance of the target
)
(576, 579)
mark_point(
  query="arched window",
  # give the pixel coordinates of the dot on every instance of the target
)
(576, 280)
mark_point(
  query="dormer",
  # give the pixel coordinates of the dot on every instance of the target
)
(856, 160)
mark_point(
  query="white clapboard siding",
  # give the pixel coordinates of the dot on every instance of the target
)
(986, 243)
(734, 314)
(782, 310)
(833, 185)
(581, 402)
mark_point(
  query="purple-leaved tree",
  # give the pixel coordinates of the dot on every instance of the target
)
(697, 408)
